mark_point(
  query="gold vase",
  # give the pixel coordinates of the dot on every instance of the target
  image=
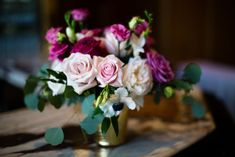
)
(110, 139)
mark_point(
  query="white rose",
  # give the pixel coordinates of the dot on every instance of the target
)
(80, 72)
(57, 88)
(138, 79)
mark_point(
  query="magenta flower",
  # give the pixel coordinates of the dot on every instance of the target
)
(92, 32)
(79, 14)
(141, 27)
(51, 35)
(88, 45)
(57, 51)
(160, 67)
(120, 32)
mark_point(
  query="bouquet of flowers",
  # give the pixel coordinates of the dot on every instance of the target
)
(105, 70)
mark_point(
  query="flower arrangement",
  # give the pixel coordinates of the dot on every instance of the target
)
(105, 70)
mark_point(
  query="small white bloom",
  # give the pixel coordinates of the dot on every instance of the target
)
(119, 97)
(57, 88)
(137, 44)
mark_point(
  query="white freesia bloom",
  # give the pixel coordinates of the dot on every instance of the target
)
(111, 43)
(138, 79)
(80, 72)
(57, 88)
(137, 44)
(120, 97)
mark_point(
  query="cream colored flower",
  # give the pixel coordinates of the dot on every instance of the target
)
(138, 79)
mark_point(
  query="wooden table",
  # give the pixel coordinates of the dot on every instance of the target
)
(21, 134)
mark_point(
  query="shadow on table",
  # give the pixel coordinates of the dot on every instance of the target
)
(221, 141)
(73, 138)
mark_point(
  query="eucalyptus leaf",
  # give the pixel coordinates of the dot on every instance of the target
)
(31, 101)
(90, 124)
(181, 84)
(54, 136)
(198, 109)
(43, 70)
(105, 125)
(87, 104)
(114, 121)
(192, 73)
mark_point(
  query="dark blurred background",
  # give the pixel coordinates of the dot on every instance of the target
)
(202, 31)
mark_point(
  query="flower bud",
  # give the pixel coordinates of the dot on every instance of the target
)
(70, 33)
(168, 91)
(133, 22)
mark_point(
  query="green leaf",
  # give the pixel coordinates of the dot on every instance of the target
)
(31, 101)
(97, 111)
(30, 85)
(67, 18)
(54, 136)
(192, 73)
(198, 109)
(41, 104)
(105, 125)
(180, 84)
(157, 94)
(87, 104)
(57, 100)
(58, 75)
(90, 124)
(69, 92)
(114, 121)
(73, 25)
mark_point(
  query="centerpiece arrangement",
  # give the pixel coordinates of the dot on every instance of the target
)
(107, 71)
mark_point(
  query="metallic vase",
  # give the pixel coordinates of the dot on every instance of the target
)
(110, 138)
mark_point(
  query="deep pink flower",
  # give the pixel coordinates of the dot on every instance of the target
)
(120, 32)
(88, 45)
(141, 27)
(51, 35)
(57, 51)
(79, 14)
(160, 67)
(92, 32)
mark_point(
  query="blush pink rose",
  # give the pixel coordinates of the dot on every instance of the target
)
(109, 70)
(80, 72)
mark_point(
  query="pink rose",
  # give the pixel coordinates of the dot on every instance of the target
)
(51, 35)
(79, 14)
(120, 32)
(80, 72)
(109, 70)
